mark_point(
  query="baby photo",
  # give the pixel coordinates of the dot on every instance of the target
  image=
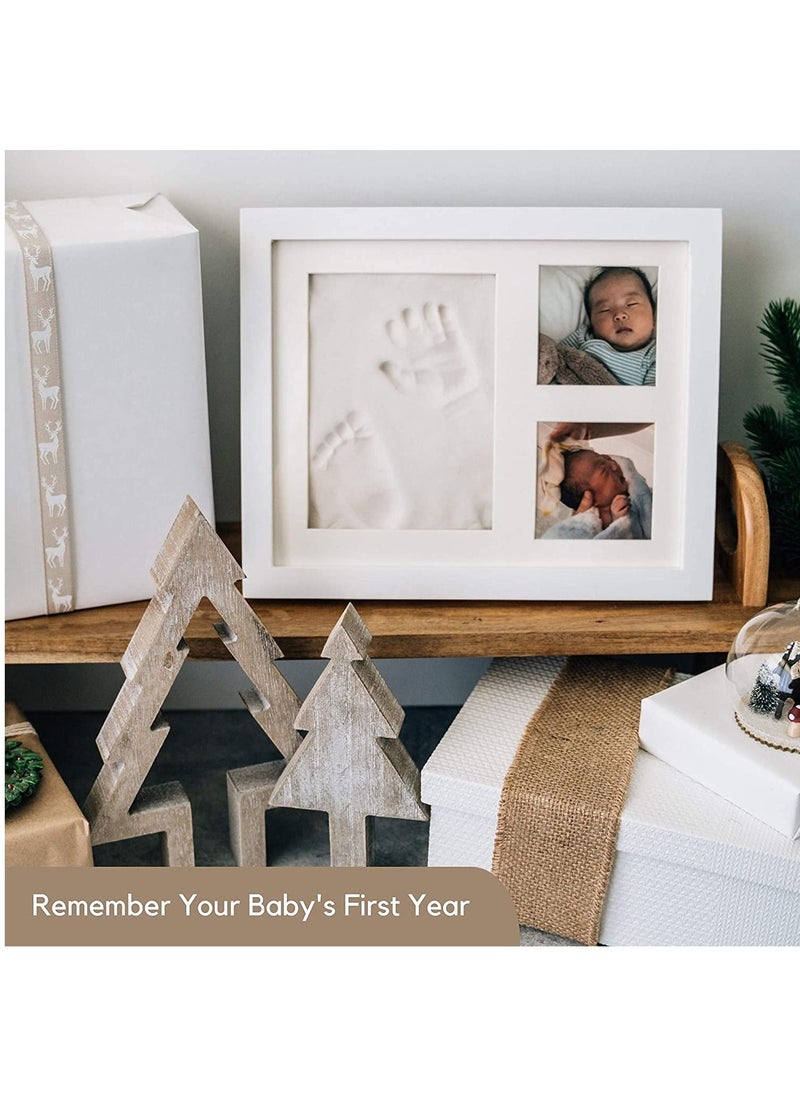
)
(594, 481)
(597, 325)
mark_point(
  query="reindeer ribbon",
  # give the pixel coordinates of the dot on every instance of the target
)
(48, 408)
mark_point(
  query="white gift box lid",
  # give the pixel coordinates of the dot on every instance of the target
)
(666, 817)
(136, 434)
(467, 769)
(669, 816)
(692, 727)
(115, 218)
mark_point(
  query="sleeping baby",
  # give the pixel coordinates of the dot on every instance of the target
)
(621, 328)
(585, 495)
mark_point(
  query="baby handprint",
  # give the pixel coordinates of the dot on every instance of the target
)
(436, 363)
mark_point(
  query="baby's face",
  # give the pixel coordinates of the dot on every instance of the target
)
(620, 312)
(599, 474)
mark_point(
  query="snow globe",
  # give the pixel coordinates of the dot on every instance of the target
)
(763, 668)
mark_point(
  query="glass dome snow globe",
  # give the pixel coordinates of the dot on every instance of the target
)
(763, 668)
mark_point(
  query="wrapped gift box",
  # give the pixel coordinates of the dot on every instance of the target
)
(691, 726)
(47, 830)
(690, 867)
(134, 407)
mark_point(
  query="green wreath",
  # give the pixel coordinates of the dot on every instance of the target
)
(23, 772)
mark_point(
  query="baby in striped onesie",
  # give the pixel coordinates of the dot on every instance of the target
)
(622, 324)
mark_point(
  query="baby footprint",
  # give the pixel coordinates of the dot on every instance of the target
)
(353, 484)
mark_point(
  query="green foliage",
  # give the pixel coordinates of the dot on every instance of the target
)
(775, 435)
(23, 772)
(781, 329)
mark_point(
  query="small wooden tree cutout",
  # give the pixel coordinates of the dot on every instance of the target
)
(192, 564)
(351, 763)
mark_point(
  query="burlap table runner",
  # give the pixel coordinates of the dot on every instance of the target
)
(563, 795)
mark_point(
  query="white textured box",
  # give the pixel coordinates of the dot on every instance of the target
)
(130, 324)
(690, 869)
(691, 727)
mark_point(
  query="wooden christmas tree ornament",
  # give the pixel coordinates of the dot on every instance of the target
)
(193, 563)
(351, 763)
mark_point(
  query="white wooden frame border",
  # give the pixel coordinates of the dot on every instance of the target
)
(686, 430)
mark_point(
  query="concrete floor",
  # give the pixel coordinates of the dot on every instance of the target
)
(199, 750)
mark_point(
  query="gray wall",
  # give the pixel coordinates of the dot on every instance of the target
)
(758, 193)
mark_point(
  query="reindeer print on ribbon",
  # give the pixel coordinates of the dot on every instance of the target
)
(40, 296)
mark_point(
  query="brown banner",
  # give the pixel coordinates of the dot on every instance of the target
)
(257, 906)
(563, 795)
(48, 405)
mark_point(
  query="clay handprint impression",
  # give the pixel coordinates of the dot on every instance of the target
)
(435, 362)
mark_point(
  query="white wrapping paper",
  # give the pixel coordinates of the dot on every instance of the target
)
(134, 395)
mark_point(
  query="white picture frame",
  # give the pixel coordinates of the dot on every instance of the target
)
(313, 283)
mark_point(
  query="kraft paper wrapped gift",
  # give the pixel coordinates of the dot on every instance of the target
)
(692, 727)
(126, 275)
(690, 867)
(47, 830)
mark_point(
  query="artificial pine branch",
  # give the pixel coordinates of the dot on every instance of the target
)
(775, 435)
(24, 769)
(781, 328)
(769, 432)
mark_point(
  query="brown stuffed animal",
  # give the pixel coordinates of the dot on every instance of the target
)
(566, 365)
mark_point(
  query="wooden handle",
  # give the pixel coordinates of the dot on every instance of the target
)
(742, 524)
